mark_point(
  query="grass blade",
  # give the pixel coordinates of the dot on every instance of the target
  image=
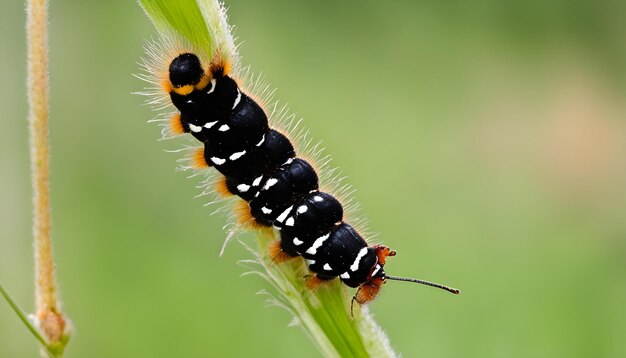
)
(20, 313)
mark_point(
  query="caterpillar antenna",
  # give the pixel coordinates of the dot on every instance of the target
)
(422, 282)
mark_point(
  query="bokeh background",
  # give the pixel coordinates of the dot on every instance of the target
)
(486, 139)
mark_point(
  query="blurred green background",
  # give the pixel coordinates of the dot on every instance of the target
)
(487, 141)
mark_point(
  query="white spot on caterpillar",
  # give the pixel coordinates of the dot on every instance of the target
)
(195, 128)
(210, 124)
(223, 128)
(376, 269)
(237, 155)
(345, 275)
(302, 209)
(261, 142)
(238, 99)
(213, 83)
(289, 161)
(355, 264)
(327, 267)
(266, 211)
(289, 221)
(257, 181)
(318, 198)
(269, 183)
(284, 214)
(310, 262)
(297, 241)
(317, 244)
(218, 161)
(243, 188)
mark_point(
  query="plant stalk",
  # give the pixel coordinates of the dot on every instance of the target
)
(51, 320)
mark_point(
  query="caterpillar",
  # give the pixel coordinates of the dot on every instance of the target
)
(278, 189)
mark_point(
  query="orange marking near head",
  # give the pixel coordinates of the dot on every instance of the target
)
(219, 65)
(382, 252)
(183, 90)
(176, 124)
(277, 254)
(221, 188)
(226, 67)
(204, 81)
(199, 161)
(368, 291)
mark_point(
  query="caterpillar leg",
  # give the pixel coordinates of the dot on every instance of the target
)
(367, 292)
(352, 305)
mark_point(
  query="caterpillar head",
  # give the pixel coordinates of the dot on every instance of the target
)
(368, 291)
(186, 74)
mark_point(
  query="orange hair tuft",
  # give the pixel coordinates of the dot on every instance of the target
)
(221, 188)
(176, 124)
(166, 86)
(199, 161)
(244, 216)
(277, 254)
(314, 282)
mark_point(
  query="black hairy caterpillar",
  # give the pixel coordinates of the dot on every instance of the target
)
(278, 189)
